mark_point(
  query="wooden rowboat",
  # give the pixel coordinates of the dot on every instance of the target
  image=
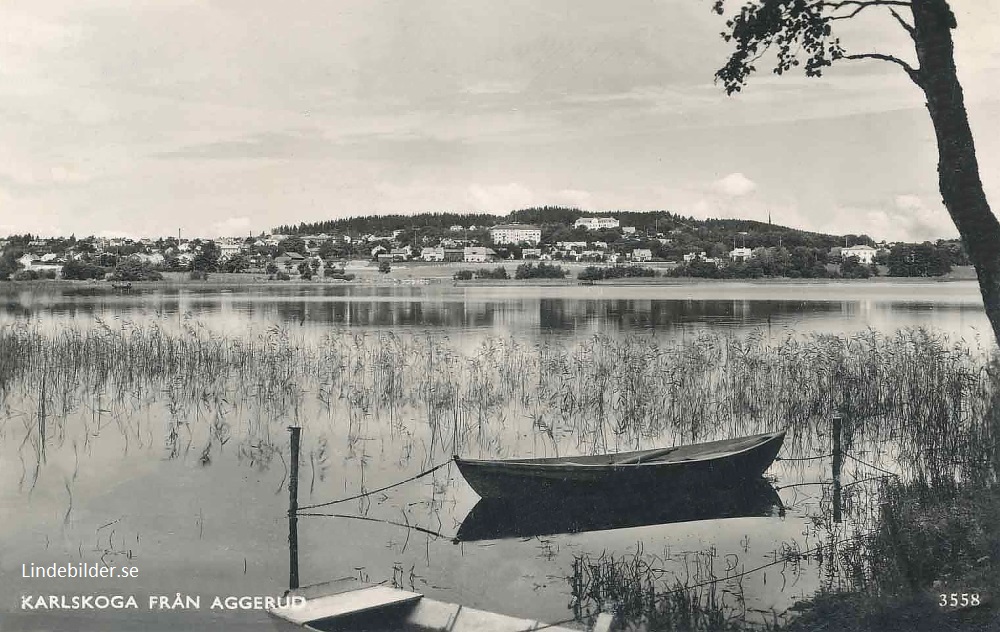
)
(384, 608)
(717, 464)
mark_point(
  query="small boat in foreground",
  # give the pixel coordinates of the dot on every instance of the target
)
(717, 464)
(385, 608)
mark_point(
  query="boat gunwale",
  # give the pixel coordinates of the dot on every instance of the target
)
(550, 463)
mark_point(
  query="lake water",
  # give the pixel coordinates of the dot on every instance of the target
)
(191, 487)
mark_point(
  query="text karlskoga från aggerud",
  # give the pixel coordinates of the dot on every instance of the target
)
(156, 602)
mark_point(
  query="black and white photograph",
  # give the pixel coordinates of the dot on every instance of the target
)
(464, 315)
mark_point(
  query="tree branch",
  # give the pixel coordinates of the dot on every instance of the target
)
(859, 6)
(906, 25)
(840, 4)
(914, 73)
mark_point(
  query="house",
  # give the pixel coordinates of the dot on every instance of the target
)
(478, 254)
(227, 249)
(515, 234)
(741, 254)
(289, 262)
(864, 254)
(628, 230)
(155, 259)
(432, 254)
(691, 256)
(531, 253)
(400, 254)
(642, 254)
(592, 223)
(457, 228)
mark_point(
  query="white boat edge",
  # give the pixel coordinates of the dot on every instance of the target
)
(426, 613)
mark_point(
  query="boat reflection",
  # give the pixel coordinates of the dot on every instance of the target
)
(493, 519)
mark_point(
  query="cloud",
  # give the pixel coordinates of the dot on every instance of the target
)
(735, 185)
(232, 227)
(67, 174)
(907, 218)
(502, 198)
(575, 198)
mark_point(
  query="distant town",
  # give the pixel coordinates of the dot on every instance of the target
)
(636, 241)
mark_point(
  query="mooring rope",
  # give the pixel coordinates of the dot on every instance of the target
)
(375, 491)
(804, 458)
(436, 534)
(874, 467)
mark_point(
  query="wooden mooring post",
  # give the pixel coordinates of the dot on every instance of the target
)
(837, 460)
(293, 511)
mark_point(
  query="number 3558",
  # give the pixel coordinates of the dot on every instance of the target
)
(958, 599)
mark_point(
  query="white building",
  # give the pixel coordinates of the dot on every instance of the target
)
(642, 254)
(864, 254)
(691, 256)
(591, 223)
(628, 230)
(229, 249)
(515, 234)
(531, 253)
(432, 254)
(741, 254)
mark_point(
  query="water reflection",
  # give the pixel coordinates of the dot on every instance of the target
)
(526, 310)
(493, 519)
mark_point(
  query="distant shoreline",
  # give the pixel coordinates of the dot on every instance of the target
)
(438, 274)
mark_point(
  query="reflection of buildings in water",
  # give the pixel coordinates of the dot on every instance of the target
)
(500, 313)
(741, 309)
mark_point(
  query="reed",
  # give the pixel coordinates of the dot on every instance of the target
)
(934, 401)
(924, 405)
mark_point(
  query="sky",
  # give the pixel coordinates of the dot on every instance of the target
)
(230, 117)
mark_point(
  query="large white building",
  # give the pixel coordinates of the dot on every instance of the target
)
(515, 234)
(864, 254)
(592, 223)
(228, 249)
(741, 254)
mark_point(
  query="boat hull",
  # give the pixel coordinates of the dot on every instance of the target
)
(689, 469)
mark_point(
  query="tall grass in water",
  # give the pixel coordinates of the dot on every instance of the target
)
(642, 595)
(933, 400)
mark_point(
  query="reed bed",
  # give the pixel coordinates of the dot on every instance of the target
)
(643, 595)
(933, 400)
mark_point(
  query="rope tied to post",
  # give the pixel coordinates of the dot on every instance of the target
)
(375, 491)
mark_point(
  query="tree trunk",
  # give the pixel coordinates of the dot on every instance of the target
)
(958, 169)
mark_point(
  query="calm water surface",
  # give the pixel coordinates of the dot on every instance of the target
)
(125, 487)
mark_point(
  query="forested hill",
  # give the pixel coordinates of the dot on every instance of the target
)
(553, 217)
